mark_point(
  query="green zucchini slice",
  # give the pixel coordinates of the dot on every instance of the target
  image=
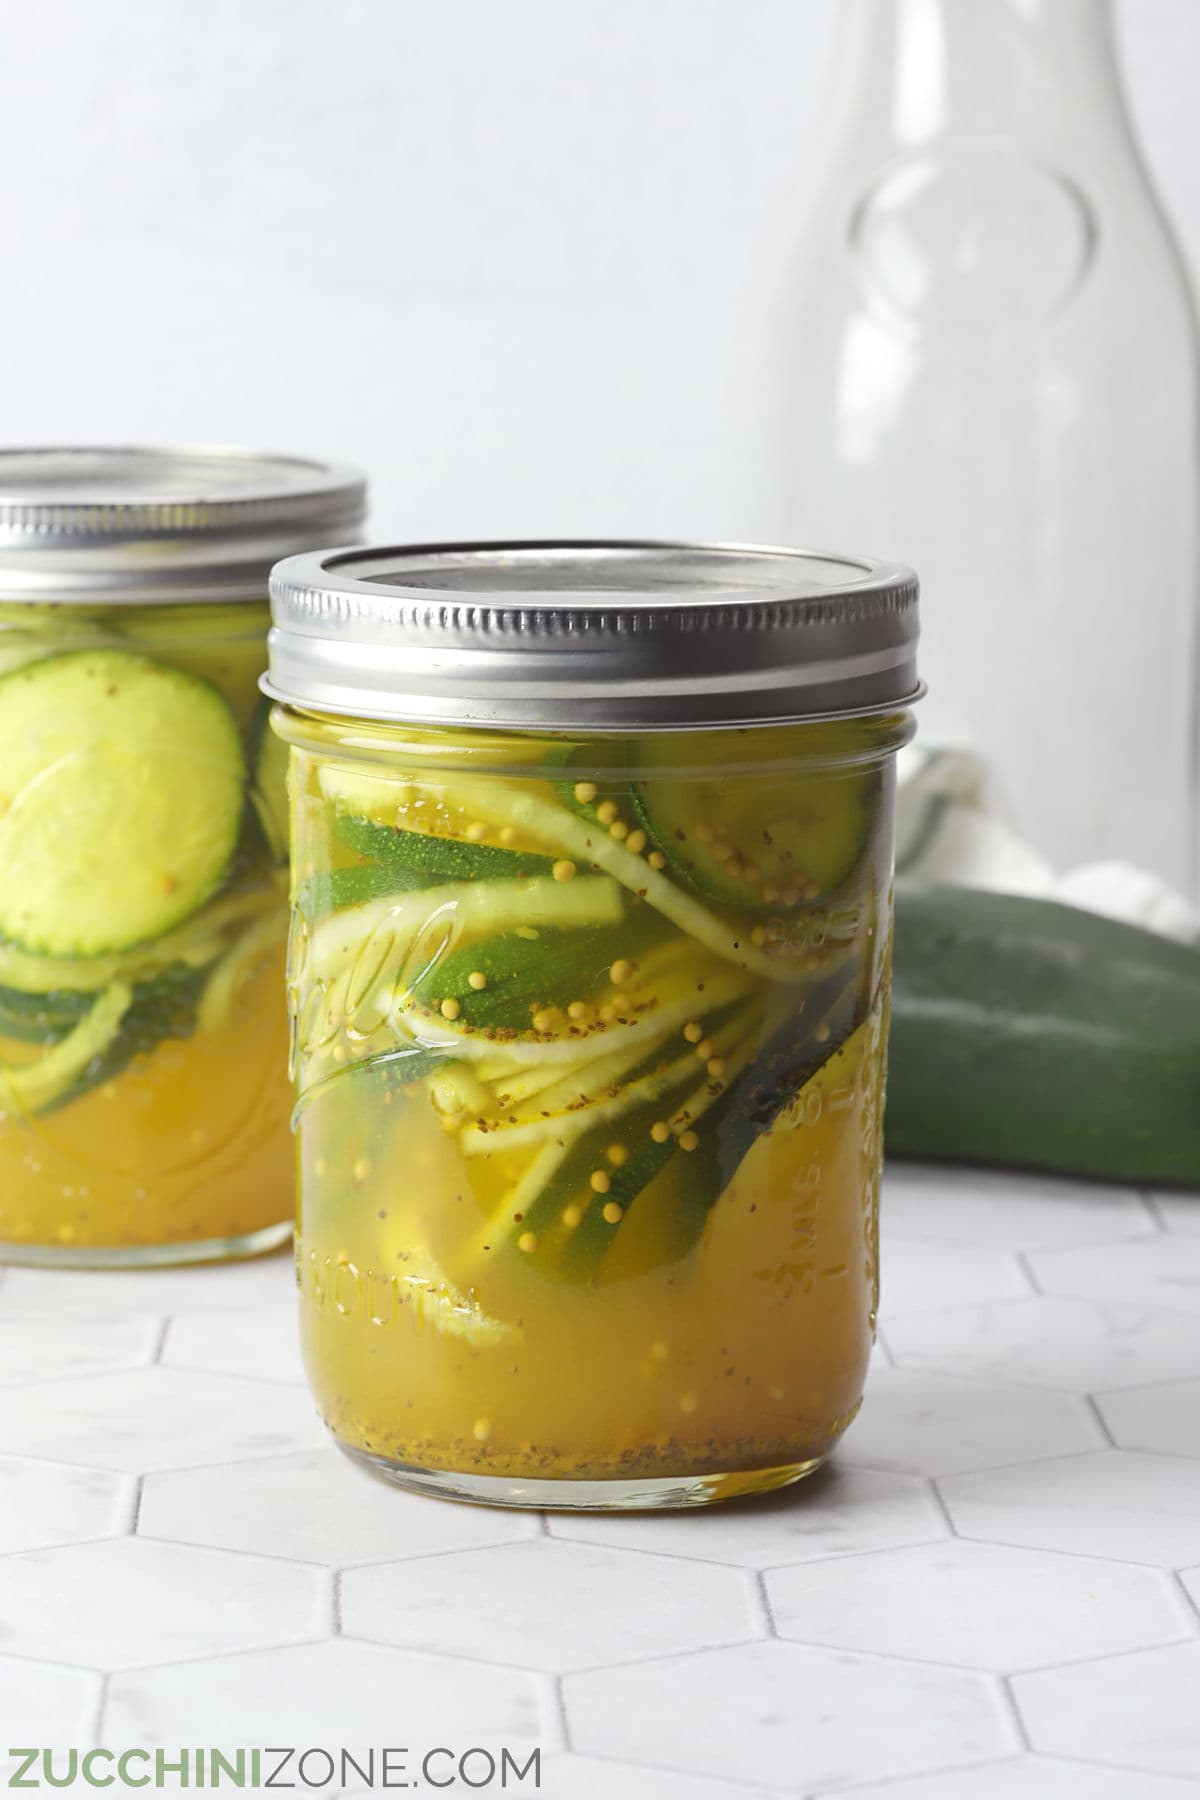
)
(121, 785)
(41, 1018)
(421, 859)
(752, 843)
(36, 1086)
(499, 983)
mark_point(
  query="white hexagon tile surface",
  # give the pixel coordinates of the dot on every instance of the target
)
(993, 1593)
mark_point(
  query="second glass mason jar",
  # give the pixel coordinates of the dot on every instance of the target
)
(589, 971)
(143, 846)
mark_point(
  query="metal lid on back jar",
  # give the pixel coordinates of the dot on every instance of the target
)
(140, 525)
(602, 636)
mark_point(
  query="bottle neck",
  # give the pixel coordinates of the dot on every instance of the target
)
(1025, 68)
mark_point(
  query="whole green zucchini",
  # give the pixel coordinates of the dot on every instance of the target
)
(1033, 1035)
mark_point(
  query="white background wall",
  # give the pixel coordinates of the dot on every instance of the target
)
(491, 249)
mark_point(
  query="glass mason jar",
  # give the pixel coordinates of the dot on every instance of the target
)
(143, 842)
(589, 973)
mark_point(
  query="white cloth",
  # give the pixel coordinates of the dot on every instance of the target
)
(952, 824)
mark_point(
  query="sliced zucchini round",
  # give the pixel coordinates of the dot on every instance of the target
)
(121, 787)
(753, 841)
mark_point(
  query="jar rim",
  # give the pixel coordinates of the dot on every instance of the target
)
(594, 634)
(178, 523)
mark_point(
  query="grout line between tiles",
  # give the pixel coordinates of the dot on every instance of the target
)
(760, 1599)
(476, 1661)
(267, 1556)
(135, 1511)
(841, 1556)
(308, 1642)
(1013, 1462)
(939, 1500)
(11, 1654)
(1101, 1656)
(554, 1714)
(162, 1326)
(1094, 1556)
(1101, 1421)
(1190, 1600)
(1140, 1387)
(111, 1537)
(226, 1461)
(1112, 1764)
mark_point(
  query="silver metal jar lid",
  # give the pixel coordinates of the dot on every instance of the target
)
(138, 525)
(598, 636)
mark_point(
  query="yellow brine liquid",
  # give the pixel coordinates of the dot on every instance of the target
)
(588, 1039)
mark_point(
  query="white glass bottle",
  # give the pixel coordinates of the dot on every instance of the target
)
(976, 351)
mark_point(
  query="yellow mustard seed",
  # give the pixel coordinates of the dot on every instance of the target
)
(617, 1154)
(614, 1212)
(481, 1430)
(618, 829)
(636, 841)
(688, 1140)
(508, 835)
(546, 1019)
(476, 831)
(693, 1031)
(599, 1181)
(572, 1216)
(716, 1066)
(564, 870)
(362, 1168)
(581, 1012)
(527, 1242)
(608, 1013)
(607, 811)
(705, 1048)
(821, 1032)
(477, 980)
(660, 1131)
(758, 936)
(585, 792)
(620, 971)
(450, 1009)
(657, 860)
